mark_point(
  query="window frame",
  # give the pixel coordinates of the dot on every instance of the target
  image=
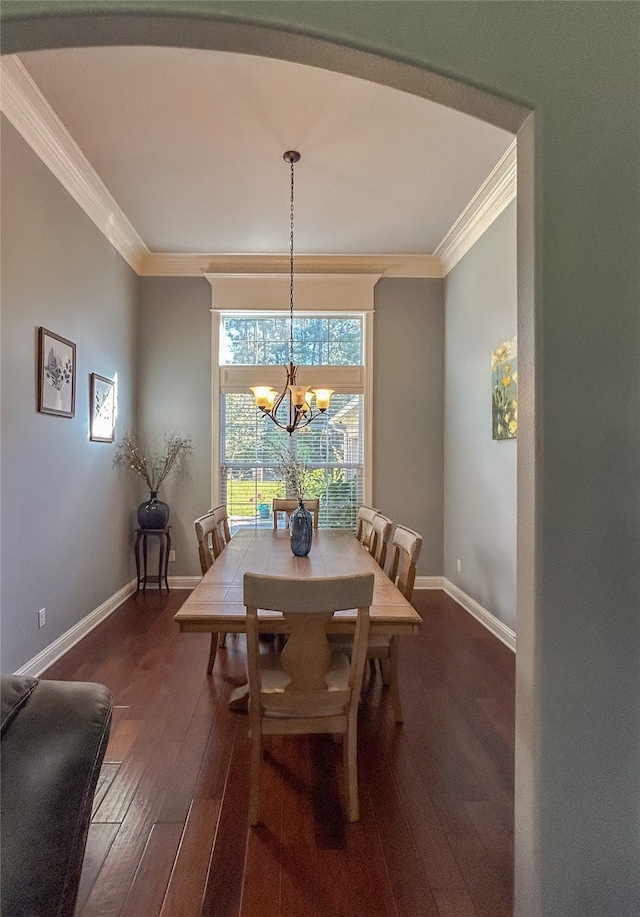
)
(347, 379)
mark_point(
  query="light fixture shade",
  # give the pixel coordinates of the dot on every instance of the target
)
(264, 395)
(323, 397)
(298, 394)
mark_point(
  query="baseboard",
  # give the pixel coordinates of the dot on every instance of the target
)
(63, 644)
(493, 624)
(184, 582)
(177, 582)
(429, 582)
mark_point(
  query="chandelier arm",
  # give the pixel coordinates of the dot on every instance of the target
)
(280, 398)
(305, 423)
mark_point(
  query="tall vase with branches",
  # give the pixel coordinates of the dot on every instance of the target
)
(153, 462)
(295, 474)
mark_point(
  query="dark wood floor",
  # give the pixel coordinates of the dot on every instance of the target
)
(169, 834)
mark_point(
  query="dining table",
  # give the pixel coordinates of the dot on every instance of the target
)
(216, 604)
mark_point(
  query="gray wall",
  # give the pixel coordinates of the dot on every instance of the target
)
(174, 396)
(408, 356)
(65, 525)
(480, 473)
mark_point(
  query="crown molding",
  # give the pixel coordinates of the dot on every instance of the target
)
(488, 203)
(32, 116)
(167, 264)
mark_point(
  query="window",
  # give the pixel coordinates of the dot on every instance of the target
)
(331, 446)
(317, 340)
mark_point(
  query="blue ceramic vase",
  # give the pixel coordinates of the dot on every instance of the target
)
(301, 530)
(154, 514)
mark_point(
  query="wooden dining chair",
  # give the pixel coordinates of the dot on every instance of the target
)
(405, 551)
(381, 529)
(212, 534)
(306, 688)
(223, 533)
(205, 528)
(364, 524)
(380, 535)
(383, 649)
(287, 506)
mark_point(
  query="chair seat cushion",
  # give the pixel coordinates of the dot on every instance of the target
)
(273, 680)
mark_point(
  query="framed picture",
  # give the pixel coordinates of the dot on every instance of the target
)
(56, 374)
(102, 407)
(504, 390)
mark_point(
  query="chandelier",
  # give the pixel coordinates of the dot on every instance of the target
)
(299, 397)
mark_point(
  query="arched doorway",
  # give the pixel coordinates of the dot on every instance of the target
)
(37, 30)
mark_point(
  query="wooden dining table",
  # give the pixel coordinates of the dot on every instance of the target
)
(216, 604)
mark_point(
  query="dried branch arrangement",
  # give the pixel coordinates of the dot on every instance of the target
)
(153, 466)
(295, 473)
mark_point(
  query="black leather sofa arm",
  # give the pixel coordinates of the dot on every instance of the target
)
(54, 737)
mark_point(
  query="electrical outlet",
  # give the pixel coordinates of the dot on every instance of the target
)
(459, 565)
(42, 617)
(172, 555)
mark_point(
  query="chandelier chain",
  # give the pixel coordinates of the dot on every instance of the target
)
(267, 399)
(291, 219)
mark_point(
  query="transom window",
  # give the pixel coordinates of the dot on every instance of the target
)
(317, 340)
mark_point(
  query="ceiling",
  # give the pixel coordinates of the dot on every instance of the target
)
(189, 143)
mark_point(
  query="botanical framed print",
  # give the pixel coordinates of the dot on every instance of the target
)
(102, 407)
(56, 374)
(504, 390)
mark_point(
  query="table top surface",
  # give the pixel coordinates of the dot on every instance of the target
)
(217, 601)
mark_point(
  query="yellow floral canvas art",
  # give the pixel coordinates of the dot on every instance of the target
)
(504, 390)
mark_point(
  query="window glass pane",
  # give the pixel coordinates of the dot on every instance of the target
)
(264, 340)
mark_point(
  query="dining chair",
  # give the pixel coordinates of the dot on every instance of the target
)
(405, 551)
(306, 688)
(364, 526)
(222, 527)
(212, 534)
(381, 529)
(286, 505)
(205, 528)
